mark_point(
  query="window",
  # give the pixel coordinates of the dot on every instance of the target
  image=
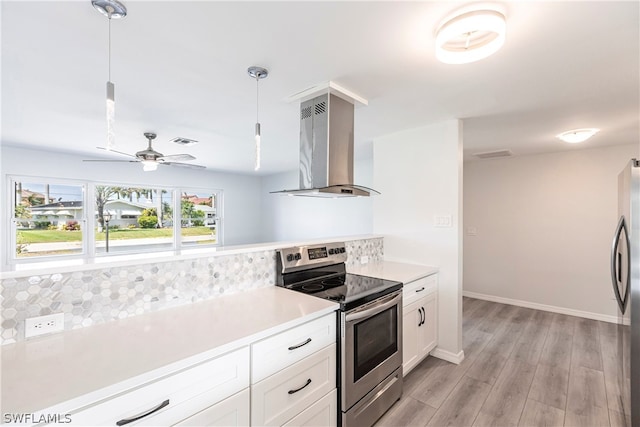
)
(50, 218)
(199, 220)
(137, 219)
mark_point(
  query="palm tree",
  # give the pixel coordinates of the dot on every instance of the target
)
(103, 193)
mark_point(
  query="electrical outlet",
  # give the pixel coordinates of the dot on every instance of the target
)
(43, 325)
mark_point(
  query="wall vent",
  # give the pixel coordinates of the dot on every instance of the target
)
(183, 141)
(493, 154)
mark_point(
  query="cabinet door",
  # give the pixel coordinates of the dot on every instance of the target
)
(428, 331)
(323, 413)
(410, 320)
(232, 412)
(283, 395)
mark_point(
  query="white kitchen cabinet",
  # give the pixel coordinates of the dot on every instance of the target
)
(231, 412)
(173, 398)
(420, 321)
(323, 413)
(286, 348)
(282, 396)
(293, 372)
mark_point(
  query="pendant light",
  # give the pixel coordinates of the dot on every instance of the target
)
(257, 73)
(116, 10)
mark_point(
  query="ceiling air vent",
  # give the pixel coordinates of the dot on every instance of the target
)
(493, 154)
(184, 141)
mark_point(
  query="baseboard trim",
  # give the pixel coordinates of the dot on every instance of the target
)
(544, 307)
(448, 356)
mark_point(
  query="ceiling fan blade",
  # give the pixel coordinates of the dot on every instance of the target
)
(177, 157)
(183, 165)
(111, 161)
(114, 151)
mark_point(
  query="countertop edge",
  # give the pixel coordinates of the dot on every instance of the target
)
(102, 392)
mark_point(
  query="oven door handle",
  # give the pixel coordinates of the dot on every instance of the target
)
(374, 309)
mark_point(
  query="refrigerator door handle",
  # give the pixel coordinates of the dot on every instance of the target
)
(616, 264)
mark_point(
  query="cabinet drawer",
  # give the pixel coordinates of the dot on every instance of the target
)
(231, 412)
(279, 351)
(188, 391)
(323, 413)
(282, 396)
(417, 289)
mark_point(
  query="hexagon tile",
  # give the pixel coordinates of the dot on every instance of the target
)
(96, 296)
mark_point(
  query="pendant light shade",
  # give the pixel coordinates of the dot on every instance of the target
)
(111, 9)
(257, 73)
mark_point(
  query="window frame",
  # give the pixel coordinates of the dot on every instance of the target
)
(89, 222)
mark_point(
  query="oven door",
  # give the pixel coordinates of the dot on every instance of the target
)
(372, 346)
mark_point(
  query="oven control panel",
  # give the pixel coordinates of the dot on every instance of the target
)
(312, 255)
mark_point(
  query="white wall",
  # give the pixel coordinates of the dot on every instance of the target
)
(419, 173)
(241, 193)
(300, 218)
(544, 227)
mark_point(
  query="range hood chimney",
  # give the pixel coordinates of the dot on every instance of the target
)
(326, 149)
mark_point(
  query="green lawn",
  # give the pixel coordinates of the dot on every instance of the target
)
(47, 236)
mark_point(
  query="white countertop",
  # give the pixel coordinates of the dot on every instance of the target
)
(397, 271)
(73, 368)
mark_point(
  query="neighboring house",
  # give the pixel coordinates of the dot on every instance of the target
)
(124, 213)
(58, 213)
(209, 214)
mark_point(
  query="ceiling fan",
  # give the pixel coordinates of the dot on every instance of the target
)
(151, 158)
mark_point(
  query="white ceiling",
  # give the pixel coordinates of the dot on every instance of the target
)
(180, 70)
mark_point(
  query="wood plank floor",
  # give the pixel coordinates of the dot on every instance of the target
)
(522, 367)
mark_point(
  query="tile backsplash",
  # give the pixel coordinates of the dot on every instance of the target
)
(108, 293)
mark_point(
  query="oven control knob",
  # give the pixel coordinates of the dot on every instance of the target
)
(331, 251)
(298, 257)
(290, 257)
(341, 250)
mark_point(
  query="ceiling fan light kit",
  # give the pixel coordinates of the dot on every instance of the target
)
(471, 34)
(151, 158)
(257, 73)
(112, 9)
(577, 135)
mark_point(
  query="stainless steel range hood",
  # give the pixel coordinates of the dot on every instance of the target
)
(326, 149)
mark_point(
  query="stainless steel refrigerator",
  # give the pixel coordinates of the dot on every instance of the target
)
(625, 276)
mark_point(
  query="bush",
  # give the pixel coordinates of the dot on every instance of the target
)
(131, 226)
(40, 225)
(148, 221)
(52, 227)
(197, 223)
(71, 226)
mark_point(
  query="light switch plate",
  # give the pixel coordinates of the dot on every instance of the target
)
(472, 231)
(364, 259)
(442, 220)
(43, 325)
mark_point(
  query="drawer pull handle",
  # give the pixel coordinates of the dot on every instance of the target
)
(420, 290)
(293, 347)
(142, 415)
(298, 389)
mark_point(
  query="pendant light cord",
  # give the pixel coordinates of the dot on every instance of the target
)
(109, 16)
(257, 97)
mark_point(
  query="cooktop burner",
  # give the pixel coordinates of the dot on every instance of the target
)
(350, 290)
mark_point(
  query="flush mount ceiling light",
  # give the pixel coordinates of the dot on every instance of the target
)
(577, 135)
(112, 9)
(257, 73)
(471, 34)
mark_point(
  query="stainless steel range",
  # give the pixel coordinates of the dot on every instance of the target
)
(369, 329)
